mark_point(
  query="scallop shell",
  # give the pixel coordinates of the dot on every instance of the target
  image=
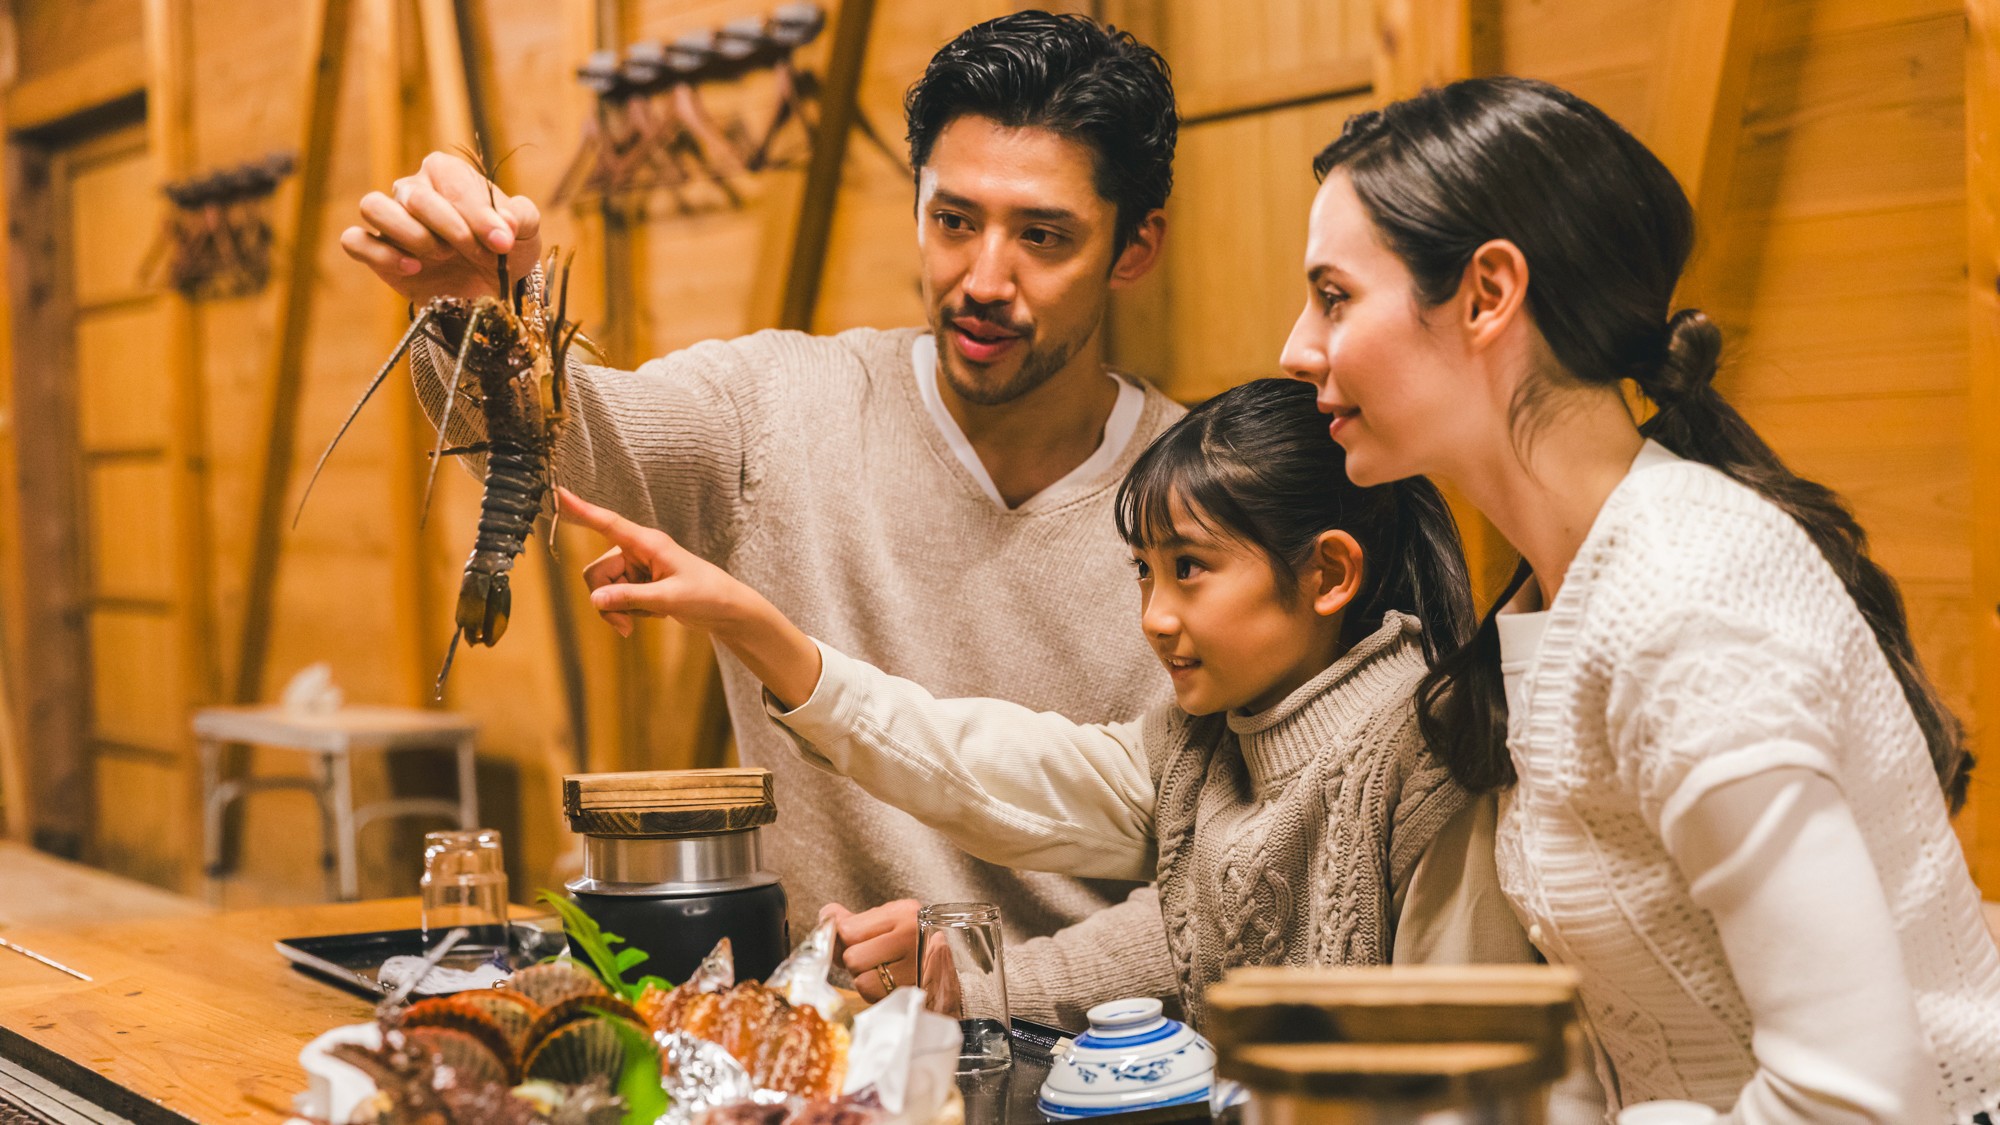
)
(457, 1014)
(553, 981)
(471, 1061)
(577, 1052)
(514, 1013)
(578, 1008)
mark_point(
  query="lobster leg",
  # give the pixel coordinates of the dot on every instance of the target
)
(449, 652)
(559, 367)
(444, 421)
(402, 345)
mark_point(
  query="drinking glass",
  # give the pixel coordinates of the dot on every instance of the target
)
(465, 884)
(963, 976)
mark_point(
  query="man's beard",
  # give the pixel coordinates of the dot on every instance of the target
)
(1038, 366)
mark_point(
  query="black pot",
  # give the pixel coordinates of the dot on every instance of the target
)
(677, 931)
(676, 898)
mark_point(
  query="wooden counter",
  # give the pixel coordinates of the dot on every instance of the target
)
(199, 1015)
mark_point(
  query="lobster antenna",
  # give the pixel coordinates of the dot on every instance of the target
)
(402, 345)
(444, 420)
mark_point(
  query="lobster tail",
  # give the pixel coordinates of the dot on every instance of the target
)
(484, 601)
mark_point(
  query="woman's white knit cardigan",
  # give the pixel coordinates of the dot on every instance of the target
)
(1698, 638)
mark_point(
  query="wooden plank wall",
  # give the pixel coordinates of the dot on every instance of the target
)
(1838, 257)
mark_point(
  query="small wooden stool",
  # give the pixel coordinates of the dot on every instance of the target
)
(334, 737)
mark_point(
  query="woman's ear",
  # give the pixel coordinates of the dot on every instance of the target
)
(1493, 291)
(1335, 574)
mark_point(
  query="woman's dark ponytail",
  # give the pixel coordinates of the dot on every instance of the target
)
(1697, 423)
(1606, 231)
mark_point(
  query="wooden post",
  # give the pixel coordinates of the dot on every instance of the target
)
(1418, 44)
(619, 336)
(450, 80)
(170, 135)
(389, 157)
(1982, 168)
(170, 129)
(840, 101)
(326, 60)
(1697, 115)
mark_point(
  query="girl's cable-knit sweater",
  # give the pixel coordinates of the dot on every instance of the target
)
(1320, 831)
(1699, 640)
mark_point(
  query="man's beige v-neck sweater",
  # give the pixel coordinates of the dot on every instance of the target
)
(808, 467)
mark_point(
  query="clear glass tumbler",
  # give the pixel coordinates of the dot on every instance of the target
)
(963, 975)
(465, 884)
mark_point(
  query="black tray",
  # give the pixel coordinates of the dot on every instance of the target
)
(352, 960)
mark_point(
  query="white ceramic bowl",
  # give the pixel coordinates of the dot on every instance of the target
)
(1132, 1058)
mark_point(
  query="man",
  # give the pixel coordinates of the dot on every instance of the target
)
(935, 502)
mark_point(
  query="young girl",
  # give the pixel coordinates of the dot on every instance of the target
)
(1729, 775)
(1287, 806)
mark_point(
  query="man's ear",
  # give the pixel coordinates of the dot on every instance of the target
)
(1493, 292)
(1335, 572)
(1142, 253)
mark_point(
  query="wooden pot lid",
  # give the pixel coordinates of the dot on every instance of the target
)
(1446, 1034)
(667, 803)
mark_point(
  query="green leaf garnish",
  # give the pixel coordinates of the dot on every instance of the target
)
(609, 965)
(639, 1076)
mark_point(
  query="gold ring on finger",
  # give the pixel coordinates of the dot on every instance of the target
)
(887, 979)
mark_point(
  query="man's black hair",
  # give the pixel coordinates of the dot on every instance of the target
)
(1067, 73)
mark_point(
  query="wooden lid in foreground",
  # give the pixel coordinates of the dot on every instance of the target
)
(1452, 1034)
(667, 803)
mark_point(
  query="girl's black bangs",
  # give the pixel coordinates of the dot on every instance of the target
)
(1178, 480)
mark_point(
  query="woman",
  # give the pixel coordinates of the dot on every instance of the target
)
(1725, 775)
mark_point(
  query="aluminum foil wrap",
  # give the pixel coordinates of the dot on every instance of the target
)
(700, 1075)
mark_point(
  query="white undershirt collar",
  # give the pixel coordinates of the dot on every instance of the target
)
(1118, 428)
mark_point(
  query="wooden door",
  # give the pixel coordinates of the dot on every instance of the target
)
(138, 715)
(108, 621)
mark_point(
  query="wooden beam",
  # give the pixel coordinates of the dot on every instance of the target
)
(1696, 120)
(168, 35)
(170, 120)
(1420, 44)
(450, 82)
(326, 59)
(839, 105)
(1982, 169)
(619, 238)
(381, 38)
(109, 75)
(1320, 81)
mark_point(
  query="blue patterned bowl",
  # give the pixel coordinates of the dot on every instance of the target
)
(1132, 1058)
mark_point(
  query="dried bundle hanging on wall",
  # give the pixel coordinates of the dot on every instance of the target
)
(216, 240)
(651, 131)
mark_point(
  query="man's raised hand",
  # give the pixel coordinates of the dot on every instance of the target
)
(440, 232)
